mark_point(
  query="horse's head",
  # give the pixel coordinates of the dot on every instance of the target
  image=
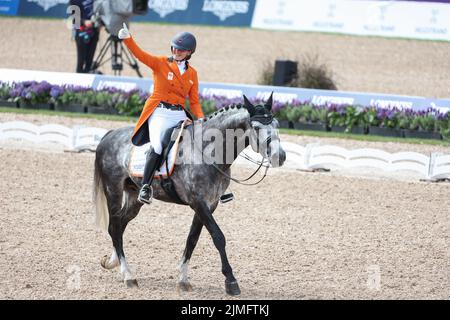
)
(264, 137)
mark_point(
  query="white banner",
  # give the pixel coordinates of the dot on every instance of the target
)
(404, 19)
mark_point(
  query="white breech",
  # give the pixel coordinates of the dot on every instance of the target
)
(161, 120)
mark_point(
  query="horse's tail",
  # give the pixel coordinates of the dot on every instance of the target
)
(99, 199)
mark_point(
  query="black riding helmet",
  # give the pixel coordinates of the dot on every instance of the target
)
(184, 41)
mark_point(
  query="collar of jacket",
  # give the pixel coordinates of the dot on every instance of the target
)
(171, 59)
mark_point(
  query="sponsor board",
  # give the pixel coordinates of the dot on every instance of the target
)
(280, 94)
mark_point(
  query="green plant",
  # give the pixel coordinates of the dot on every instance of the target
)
(208, 106)
(102, 98)
(4, 91)
(294, 114)
(313, 74)
(282, 113)
(354, 116)
(31, 92)
(443, 125)
(306, 111)
(427, 122)
(370, 117)
(86, 98)
(390, 120)
(67, 97)
(266, 76)
(336, 116)
(404, 120)
(320, 114)
(130, 105)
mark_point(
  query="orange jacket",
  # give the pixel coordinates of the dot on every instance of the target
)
(169, 86)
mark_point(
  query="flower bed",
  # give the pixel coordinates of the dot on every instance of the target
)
(296, 114)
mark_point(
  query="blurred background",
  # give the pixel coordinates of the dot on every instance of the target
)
(396, 47)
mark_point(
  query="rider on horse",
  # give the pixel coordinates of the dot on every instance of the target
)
(174, 80)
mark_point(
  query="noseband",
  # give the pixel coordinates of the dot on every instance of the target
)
(262, 118)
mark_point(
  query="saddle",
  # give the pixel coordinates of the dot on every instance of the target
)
(168, 157)
(170, 151)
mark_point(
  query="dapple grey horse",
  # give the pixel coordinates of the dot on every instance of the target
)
(199, 185)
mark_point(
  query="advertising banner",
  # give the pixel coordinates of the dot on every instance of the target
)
(405, 19)
(43, 8)
(9, 7)
(208, 12)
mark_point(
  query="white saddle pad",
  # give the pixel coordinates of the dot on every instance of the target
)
(138, 158)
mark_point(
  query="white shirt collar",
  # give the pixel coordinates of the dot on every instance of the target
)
(181, 66)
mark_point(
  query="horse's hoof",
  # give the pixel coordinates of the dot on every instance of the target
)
(132, 283)
(105, 263)
(232, 288)
(184, 286)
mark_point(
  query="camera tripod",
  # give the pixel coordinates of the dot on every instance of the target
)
(117, 49)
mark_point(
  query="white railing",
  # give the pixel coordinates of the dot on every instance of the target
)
(315, 156)
(76, 139)
(310, 157)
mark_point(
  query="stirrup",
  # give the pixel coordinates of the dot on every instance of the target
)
(150, 197)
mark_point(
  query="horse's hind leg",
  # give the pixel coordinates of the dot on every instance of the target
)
(119, 218)
(207, 219)
(191, 242)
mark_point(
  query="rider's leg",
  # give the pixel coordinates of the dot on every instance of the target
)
(158, 123)
(152, 162)
(155, 127)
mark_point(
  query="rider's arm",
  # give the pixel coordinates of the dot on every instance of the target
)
(140, 54)
(194, 101)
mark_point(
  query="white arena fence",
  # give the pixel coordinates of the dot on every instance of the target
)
(309, 158)
(78, 138)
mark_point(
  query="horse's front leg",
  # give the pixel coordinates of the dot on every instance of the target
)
(207, 219)
(191, 242)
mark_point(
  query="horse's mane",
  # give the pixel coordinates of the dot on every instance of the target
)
(222, 111)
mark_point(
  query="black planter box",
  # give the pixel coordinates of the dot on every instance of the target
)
(8, 104)
(286, 124)
(40, 106)
(354, 130)
(101, 110)
(337, 128)
(73, 107)
(311, 126)
(386, 132)
(421, 134)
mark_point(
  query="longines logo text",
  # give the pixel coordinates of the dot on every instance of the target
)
(165, 7)
(47, 4)
(225, 9)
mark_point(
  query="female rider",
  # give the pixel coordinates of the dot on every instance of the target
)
(174, 80)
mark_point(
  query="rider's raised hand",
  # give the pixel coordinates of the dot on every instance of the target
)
(124, 33)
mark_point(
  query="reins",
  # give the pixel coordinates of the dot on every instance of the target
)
(252, 175)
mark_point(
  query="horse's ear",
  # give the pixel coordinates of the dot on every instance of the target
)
(269, 103)
(247, 103)
(249, 106)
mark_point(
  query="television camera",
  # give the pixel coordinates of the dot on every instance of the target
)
(112, 15)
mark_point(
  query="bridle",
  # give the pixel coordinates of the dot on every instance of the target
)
(266, 142)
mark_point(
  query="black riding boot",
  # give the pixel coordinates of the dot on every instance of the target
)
(151, 164)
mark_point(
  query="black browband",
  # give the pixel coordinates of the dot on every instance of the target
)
(263, 118)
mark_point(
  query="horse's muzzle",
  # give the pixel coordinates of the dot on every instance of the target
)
(277, 159)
